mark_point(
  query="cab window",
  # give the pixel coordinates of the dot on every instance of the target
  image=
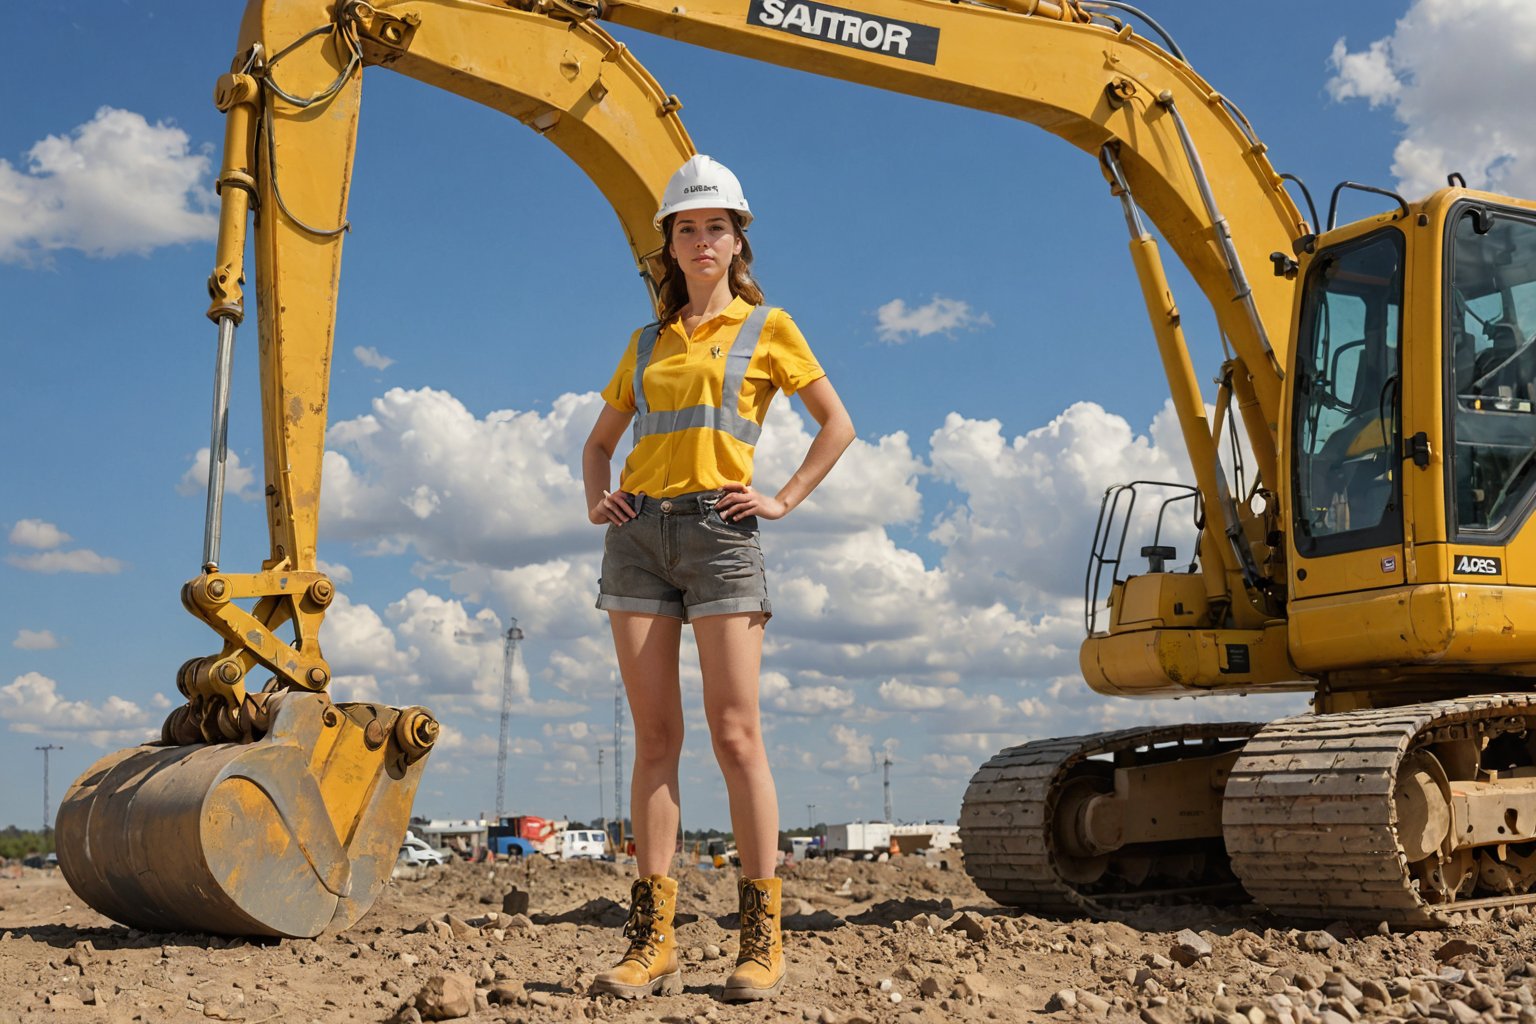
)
(1491, 310)
(1345, 420)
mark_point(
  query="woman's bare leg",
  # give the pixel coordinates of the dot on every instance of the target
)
(647, 647)
(730, 657)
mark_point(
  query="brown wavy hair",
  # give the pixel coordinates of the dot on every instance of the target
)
(673, 289)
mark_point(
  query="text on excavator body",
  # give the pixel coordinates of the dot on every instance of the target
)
(848, 28)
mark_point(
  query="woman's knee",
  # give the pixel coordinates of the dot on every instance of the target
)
(738, 744)
(658, 741)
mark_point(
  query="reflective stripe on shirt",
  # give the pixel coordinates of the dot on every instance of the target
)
(725, 417)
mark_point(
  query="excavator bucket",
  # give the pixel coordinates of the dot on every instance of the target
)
(291, 835)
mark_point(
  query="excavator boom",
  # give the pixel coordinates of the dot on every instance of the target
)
(239, 768)
(274, 811)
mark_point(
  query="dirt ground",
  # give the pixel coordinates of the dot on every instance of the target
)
(906, 941)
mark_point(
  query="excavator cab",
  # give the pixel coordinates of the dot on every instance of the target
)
(1412, 455)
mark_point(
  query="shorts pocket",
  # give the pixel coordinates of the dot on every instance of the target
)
(713, 521)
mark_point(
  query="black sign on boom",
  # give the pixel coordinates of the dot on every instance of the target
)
(854, 29)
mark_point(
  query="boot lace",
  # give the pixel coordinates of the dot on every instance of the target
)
(756, 927)
(640, 927)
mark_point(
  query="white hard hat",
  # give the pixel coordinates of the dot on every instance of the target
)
(700, 184)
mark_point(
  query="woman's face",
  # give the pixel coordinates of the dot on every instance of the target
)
(703, 243)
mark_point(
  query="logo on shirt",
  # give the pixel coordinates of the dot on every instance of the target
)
(843, 27)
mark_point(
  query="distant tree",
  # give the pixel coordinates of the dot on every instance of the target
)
(15, 842)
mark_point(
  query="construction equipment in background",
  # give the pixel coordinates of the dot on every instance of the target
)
(721, 853)
(532, 834)
(1375, 553)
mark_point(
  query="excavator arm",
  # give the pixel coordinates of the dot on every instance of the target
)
(320, 792)
(1171, 146)
(279, 812)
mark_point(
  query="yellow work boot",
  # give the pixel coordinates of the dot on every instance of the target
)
(650, 966)
(759, 969)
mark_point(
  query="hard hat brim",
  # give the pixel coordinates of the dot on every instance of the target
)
(703, 203)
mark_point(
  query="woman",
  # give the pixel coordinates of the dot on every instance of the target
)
(682, 548)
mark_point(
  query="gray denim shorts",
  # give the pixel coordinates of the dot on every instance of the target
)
(678, 558)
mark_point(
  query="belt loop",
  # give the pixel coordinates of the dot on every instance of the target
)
(637, 502)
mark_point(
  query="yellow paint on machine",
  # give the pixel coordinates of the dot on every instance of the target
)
(1165, 662)
(1474, 626)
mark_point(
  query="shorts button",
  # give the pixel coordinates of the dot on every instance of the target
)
(666, 506)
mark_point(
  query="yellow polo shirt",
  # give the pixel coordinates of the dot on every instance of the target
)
(684, 372)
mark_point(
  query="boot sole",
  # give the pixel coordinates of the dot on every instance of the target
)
(666, 985)
(743, 995)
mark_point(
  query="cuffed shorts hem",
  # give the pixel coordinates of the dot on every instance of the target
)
(673, 610)
(730, 606)
(613, 603)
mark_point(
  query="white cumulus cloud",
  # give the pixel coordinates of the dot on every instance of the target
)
(239, 479)
(896, 322)
(372, 357)
(907, 697)
(422, 472)
(115, 184)
(45, 539)
(955, 646)
(80, 560)
(35, 640)
(1457, 77)
(31, 704)
(780, 694)
(1032, 500)
(852, 750)
(35, 533)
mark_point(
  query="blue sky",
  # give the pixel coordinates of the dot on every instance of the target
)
(929, 598)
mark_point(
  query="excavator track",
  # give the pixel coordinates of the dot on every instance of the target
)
(1014, 851)
(1322, 817)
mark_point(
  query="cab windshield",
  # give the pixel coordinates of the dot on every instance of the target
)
(1492, 314)
(1345, 422)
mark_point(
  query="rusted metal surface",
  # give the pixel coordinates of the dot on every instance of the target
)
(1026, 817)
(292, 835)
(1389, 814)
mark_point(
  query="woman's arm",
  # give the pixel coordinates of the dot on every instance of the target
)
(596, 463)
(834, 437)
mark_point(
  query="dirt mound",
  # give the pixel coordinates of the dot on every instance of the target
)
(880, 943)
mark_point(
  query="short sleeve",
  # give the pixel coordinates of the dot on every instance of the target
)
(620, 392)
(791, 365)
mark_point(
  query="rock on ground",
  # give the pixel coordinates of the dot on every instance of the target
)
(893, 943)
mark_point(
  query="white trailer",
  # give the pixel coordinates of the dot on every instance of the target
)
(859, 838)
(927, 835)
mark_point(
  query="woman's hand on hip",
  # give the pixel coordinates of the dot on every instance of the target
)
(740, 501)
(612, 509)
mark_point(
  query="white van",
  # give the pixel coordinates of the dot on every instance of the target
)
(415, 851)
(579, 844)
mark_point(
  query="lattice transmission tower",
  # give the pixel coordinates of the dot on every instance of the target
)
(618, 759)
(888, 816)
(508, 660)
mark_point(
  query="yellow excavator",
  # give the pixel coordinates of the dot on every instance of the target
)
(1379, 388)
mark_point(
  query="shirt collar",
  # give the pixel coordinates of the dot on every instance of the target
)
(738, 310)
